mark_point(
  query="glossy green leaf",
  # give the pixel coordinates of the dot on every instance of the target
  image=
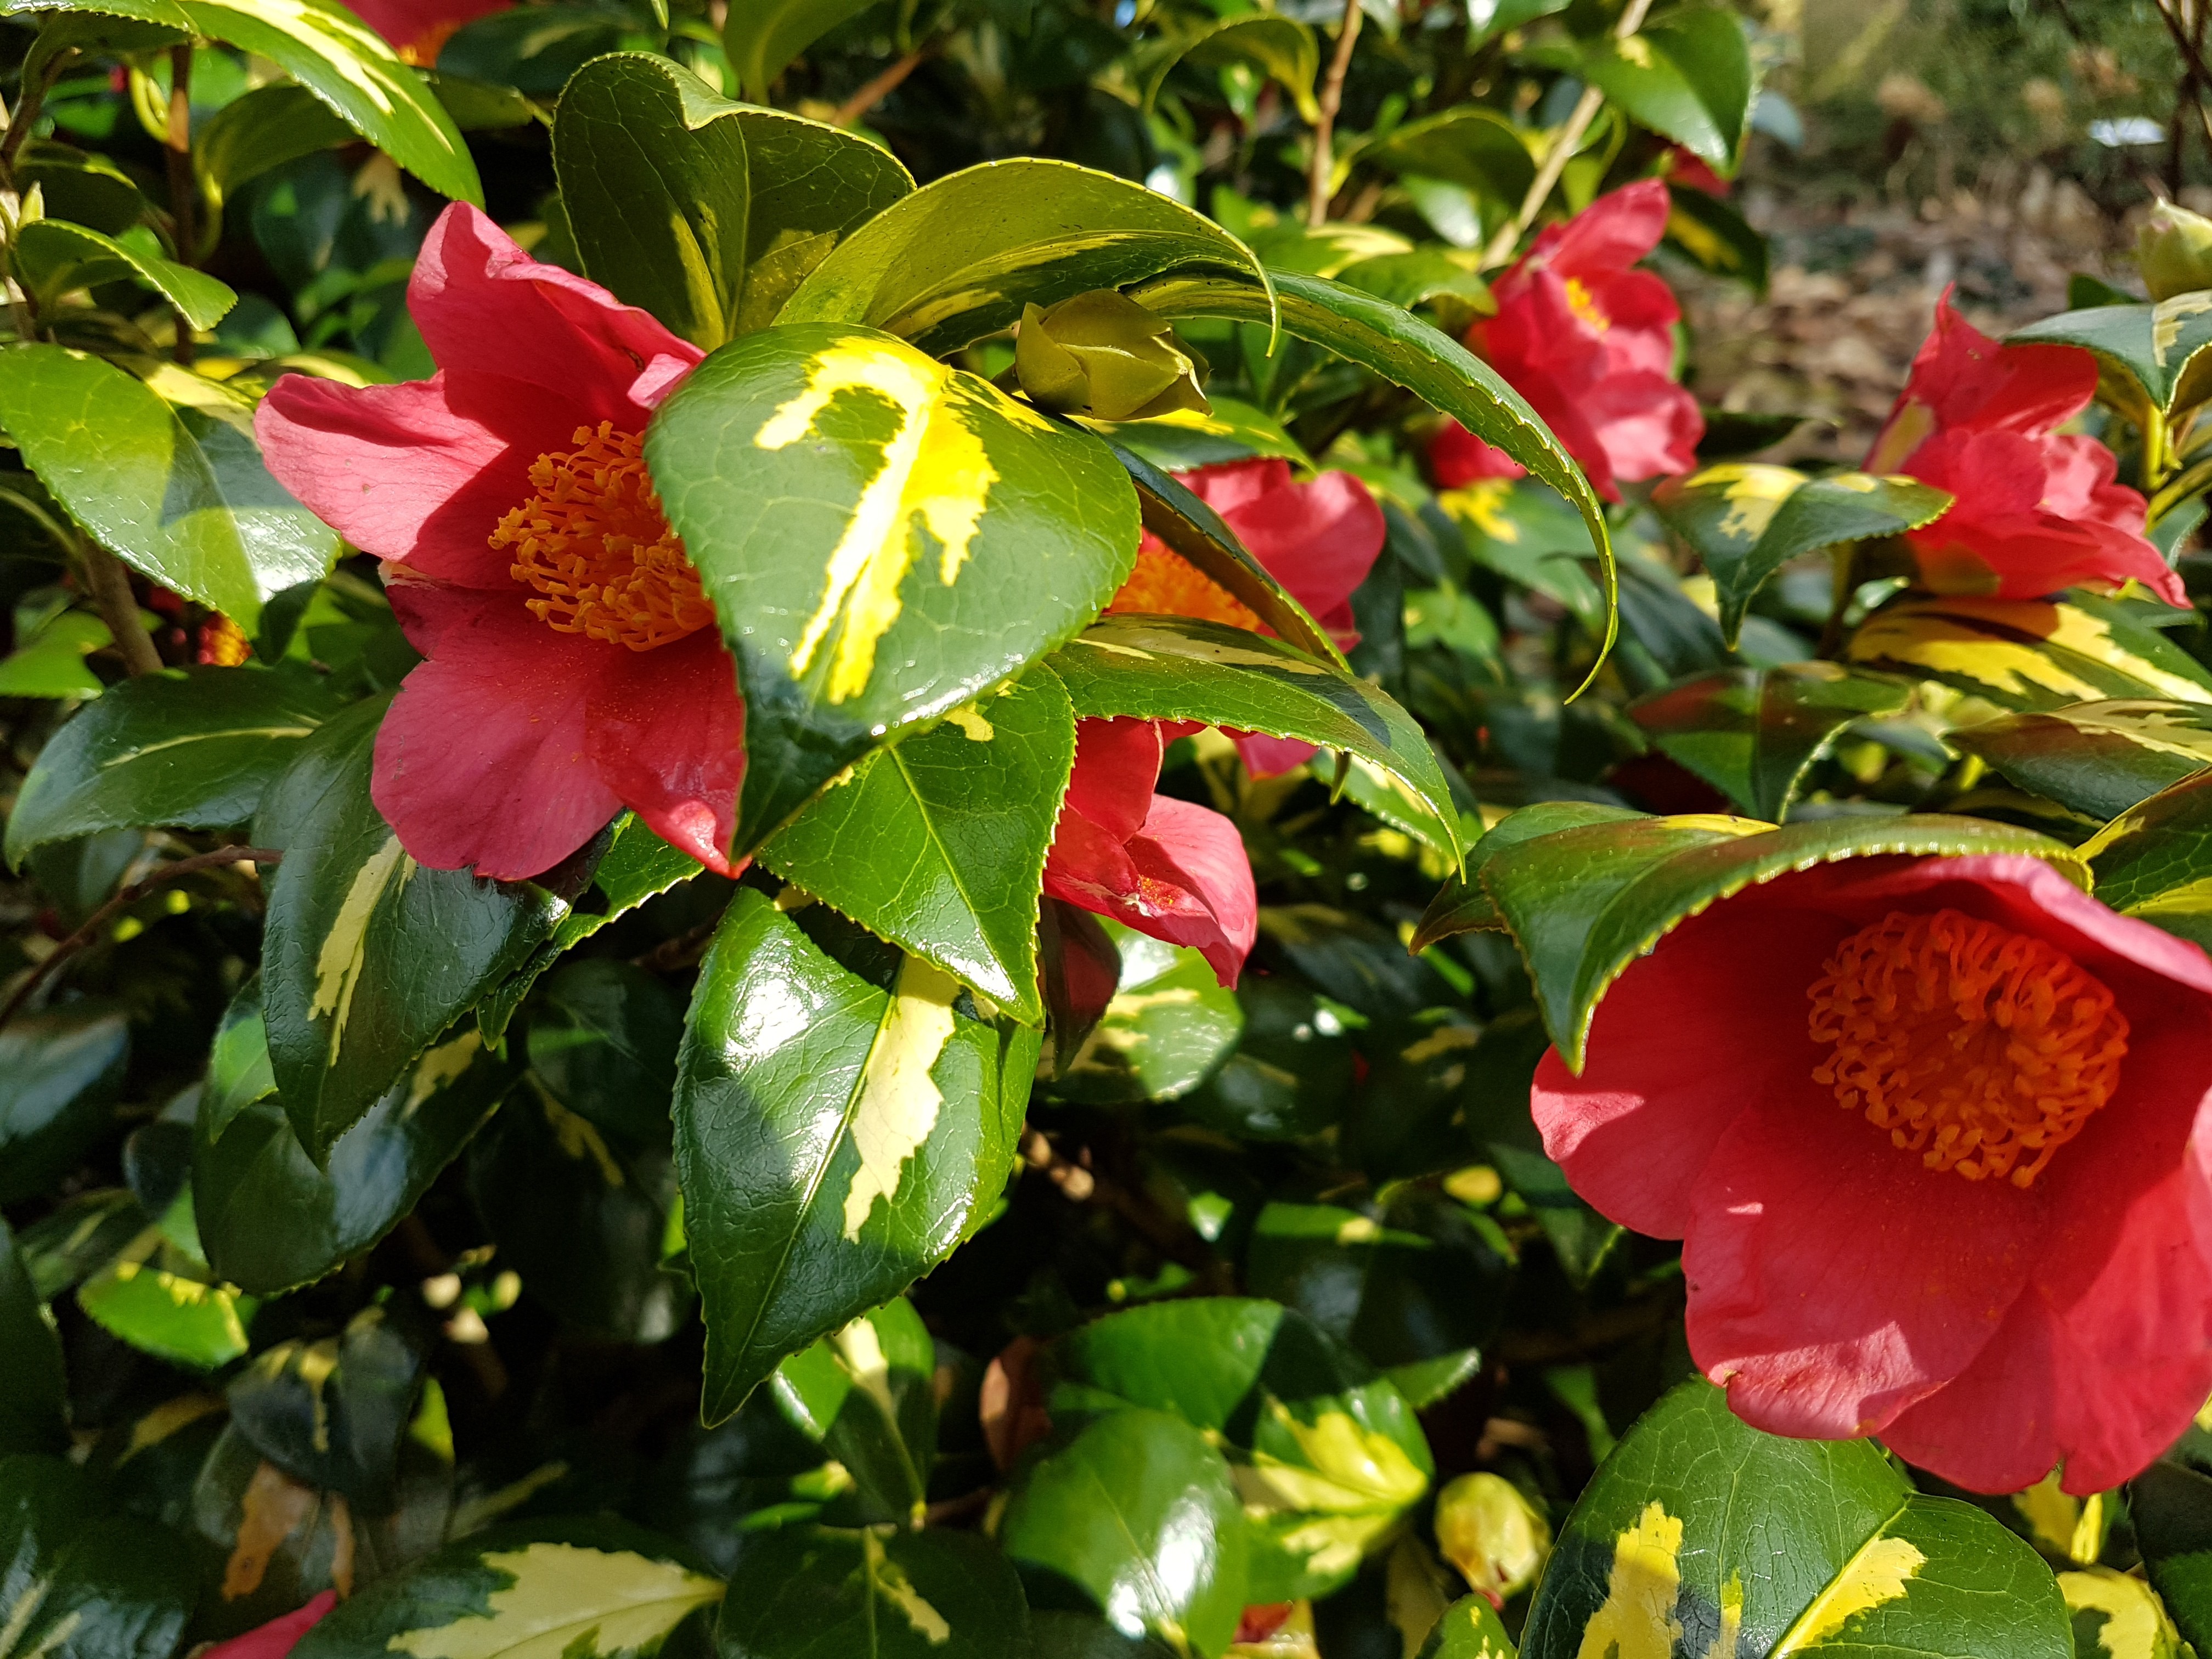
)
(162, 1301)
(1584, 904)
(368, 957)
(82, 1233)
(180, 492)
(2099, 758)
(268, 1220)
(866, 1395)
(1462, 906)
(54, 257)
(836, 1136)
(1408, 352)
(582, 1590)
(883, 538)
(2032, 654)
(2170, 1504)
(1687, 76)
(1180, 668)
(2153, 345)
(60, 1071)
(1747, 520)
(1417, 278)
(1468, 1629)
(959, 259)
(1136, 1517)
(1328, 1455)
(1170, 1027)
(1755, 734)
(33, 1391)
(195, 748)
(1700, 1531)
(1291, 1071)
(603, 1037)
(2154, 860)
(935, 1595)
(254, 135)
(51, 662)
(331, 1413)
(1712, 232)
(1474, 148)
(1281, 48)
(762, 36)
(1184, 439)
(82, 1582)
(340, 59)
(938, 843)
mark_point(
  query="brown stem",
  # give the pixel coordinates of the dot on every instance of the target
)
(881, 88)
(122, 901)
(1323, 165)
(2191, 56)
(1559, 152)
(181, 187)
(110, 582)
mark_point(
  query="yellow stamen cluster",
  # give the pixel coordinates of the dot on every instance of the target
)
(593, 540)
(1974, 1046)
(1584, 304)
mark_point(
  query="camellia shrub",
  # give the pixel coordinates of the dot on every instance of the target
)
(792, 875)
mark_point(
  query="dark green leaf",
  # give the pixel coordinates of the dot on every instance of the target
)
(256, 134)
(1281, 48)
(603, 1036)
(938, 1595)
(54, 257)
(1687, 76)
(1292, 1070)
(60, 1071)
(762, 36)
(866, 1395)
(2032, 654)
(2153, 345)
(1755, 734)
(938, 843)
(33, 1392)
(884, 539)
(181, 493)
(1468, 1629)
(1462, 907)
(2154, 861)
(331, 1413)
(1136, 1517)
(369, 957)
(1474, 148)
(1700, 1530)
(1184, 439)
(1710, 231)
(196, 748)
(836, 1140)
(1169, 1028)
(2171, 1506)
(81, 1581)
(2098, 758)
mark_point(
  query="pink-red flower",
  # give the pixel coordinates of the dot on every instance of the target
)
(418, 30)
(573, 665)
(1318, 539)
(1163, 866)
(276, 1639)
(1936, 1134)
(2036, 511)
(1588, 340)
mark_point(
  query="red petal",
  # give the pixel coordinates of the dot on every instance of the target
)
(1648, 425)
(1318, 539)
(481, 761)
(1612, 234)
(665, 729)
(276, 1639)
(1270, 757)
(1457, 456)
(1116, 763)
(1196, 885)
(483, 304)
(1962, 378)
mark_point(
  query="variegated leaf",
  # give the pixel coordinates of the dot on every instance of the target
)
(2031, 653)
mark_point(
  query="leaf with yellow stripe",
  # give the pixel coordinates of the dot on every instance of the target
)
(588, 1591)
(1701, 1535)
(796, 1592)
(84, 1581)
(2155, 345)
(844, 1113)
(2154, 860)
(368, 957)
(2098, 758)
(884, 539)
(2032, 654)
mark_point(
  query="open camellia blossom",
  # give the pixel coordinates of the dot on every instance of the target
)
(1935, 1135)
(1163, 866)
(2036, 511)
(1588, 340)
(418, 30)
(574, 663)
(1319, 539)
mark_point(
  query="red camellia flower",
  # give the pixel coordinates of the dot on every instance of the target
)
(2035, 512)
(1163, 866)
(1588, 340)
(573, 665)
(1936, 1136)
(418, 30)
(276, 1639)
(1318, 539)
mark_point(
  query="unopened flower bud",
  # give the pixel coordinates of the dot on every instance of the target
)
(2174, 252)
(1496, 1539)
(1102, 354)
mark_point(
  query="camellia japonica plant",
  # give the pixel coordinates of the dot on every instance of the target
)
(793, 875)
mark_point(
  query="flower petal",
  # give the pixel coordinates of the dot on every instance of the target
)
(1195, 883)
(276, 1639)
(1611, 233)
(1318, 539)
(665, 729)
(1116, 763)
(481, 760)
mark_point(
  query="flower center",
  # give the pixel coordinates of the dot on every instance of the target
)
(1584, 305)
(592, 540)
(1973, 1045)
(1165, 584)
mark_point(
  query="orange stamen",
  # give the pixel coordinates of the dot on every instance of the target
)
(1165, 584)
(1583, 304)
(593, 541)
(1973, 1045)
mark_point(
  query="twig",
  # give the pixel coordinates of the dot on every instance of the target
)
(110, 582)
(1561, 151)
(122, 901)
(2190, 54)
(1323, 167)
(681, 951)
(881, 88)
(181, 187)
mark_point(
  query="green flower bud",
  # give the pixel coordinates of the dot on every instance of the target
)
(1496, 1539)
(2174, 252)
(1102, 354)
